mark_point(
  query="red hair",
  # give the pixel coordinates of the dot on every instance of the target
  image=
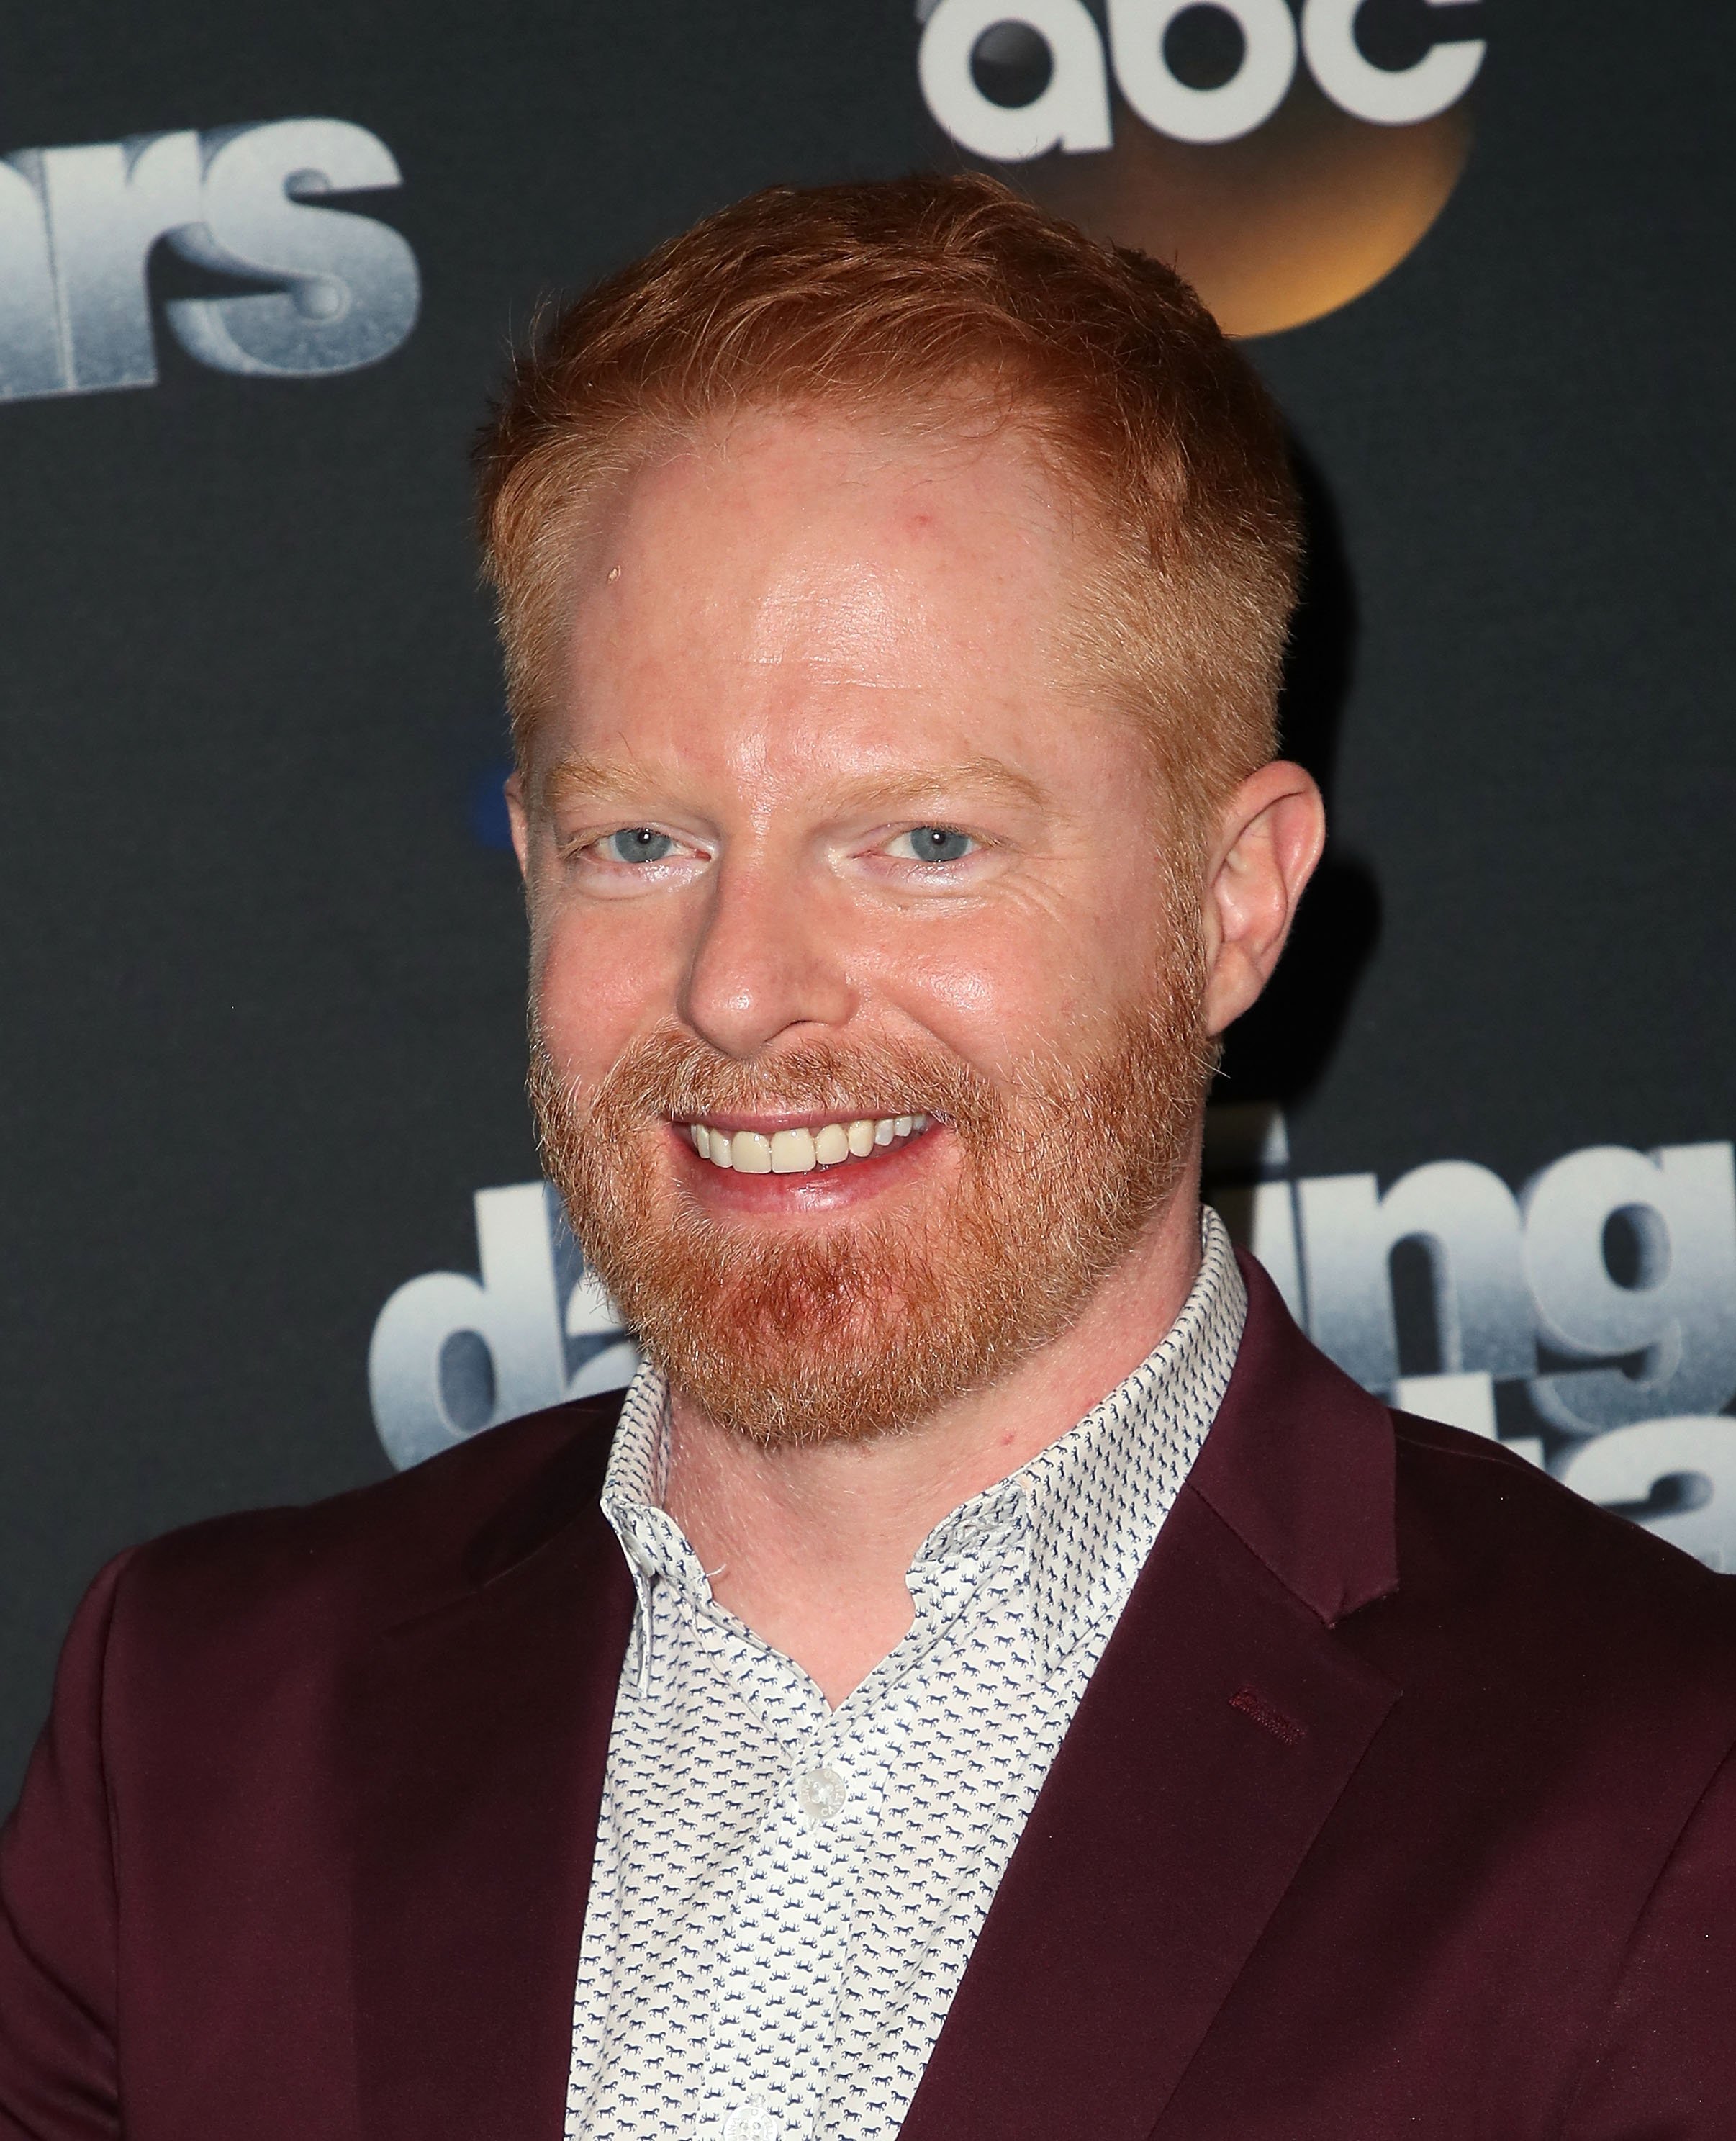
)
(955, 297)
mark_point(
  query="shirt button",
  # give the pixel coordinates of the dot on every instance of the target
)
(821, 1794)
(753, 2122)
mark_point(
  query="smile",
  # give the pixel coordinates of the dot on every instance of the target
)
(801, 1151)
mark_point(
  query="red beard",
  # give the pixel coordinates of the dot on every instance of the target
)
(832, 1327)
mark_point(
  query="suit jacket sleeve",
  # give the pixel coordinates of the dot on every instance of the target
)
(1665, 2066)
(58, 1910)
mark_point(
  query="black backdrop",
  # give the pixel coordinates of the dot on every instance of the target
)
(262, 949)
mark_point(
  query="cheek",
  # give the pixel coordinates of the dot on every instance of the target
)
(595, 985)
(997, 996)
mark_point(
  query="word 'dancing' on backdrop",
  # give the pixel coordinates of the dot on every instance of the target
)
(1588, 1322)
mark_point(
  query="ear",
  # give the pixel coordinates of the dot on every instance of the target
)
(1270, 837)
(519, 818)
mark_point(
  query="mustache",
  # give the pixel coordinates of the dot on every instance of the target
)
(673, 1073)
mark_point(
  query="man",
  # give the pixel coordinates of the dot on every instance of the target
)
(993, 1678)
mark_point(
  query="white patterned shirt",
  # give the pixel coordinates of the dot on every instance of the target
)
(785, 1895)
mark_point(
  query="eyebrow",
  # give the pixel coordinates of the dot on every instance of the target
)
(988, 777)
(591, 779)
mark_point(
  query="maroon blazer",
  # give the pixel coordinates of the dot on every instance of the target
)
(1401, 1803)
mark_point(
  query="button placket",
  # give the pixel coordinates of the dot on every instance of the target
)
(781, 1954)
(753, 2121)
(822, 1792)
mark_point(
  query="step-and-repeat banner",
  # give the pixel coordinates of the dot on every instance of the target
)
(271, 1222)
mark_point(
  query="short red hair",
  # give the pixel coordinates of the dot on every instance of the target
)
(936, 294)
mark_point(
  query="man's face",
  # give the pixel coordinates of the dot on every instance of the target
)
(820, 834)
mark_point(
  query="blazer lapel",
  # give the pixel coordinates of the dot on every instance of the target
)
(1213, 1740)
(482, 1729)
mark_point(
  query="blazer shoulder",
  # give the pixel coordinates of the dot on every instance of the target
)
(384, 1552)
(1576, 1591)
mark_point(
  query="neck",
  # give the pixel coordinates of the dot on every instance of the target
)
(810, 1546)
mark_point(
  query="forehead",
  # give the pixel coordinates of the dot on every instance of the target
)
(834, 588)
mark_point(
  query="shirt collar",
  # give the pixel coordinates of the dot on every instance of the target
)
(654, 1543)
(1093, 1500)
(1083, 1512)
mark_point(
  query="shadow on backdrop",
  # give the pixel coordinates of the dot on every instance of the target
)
(1280, 1049)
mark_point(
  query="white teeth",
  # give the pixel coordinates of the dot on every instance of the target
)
(800, 1151)
(792, 1152)
(750, 1153)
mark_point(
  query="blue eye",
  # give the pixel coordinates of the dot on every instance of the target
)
(637, 844)
(938, 844)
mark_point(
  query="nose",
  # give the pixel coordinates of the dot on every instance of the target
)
(765, 962)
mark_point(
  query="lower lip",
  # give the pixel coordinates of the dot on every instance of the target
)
(822, 1189)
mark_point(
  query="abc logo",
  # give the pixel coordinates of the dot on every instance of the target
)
(1285, 160)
